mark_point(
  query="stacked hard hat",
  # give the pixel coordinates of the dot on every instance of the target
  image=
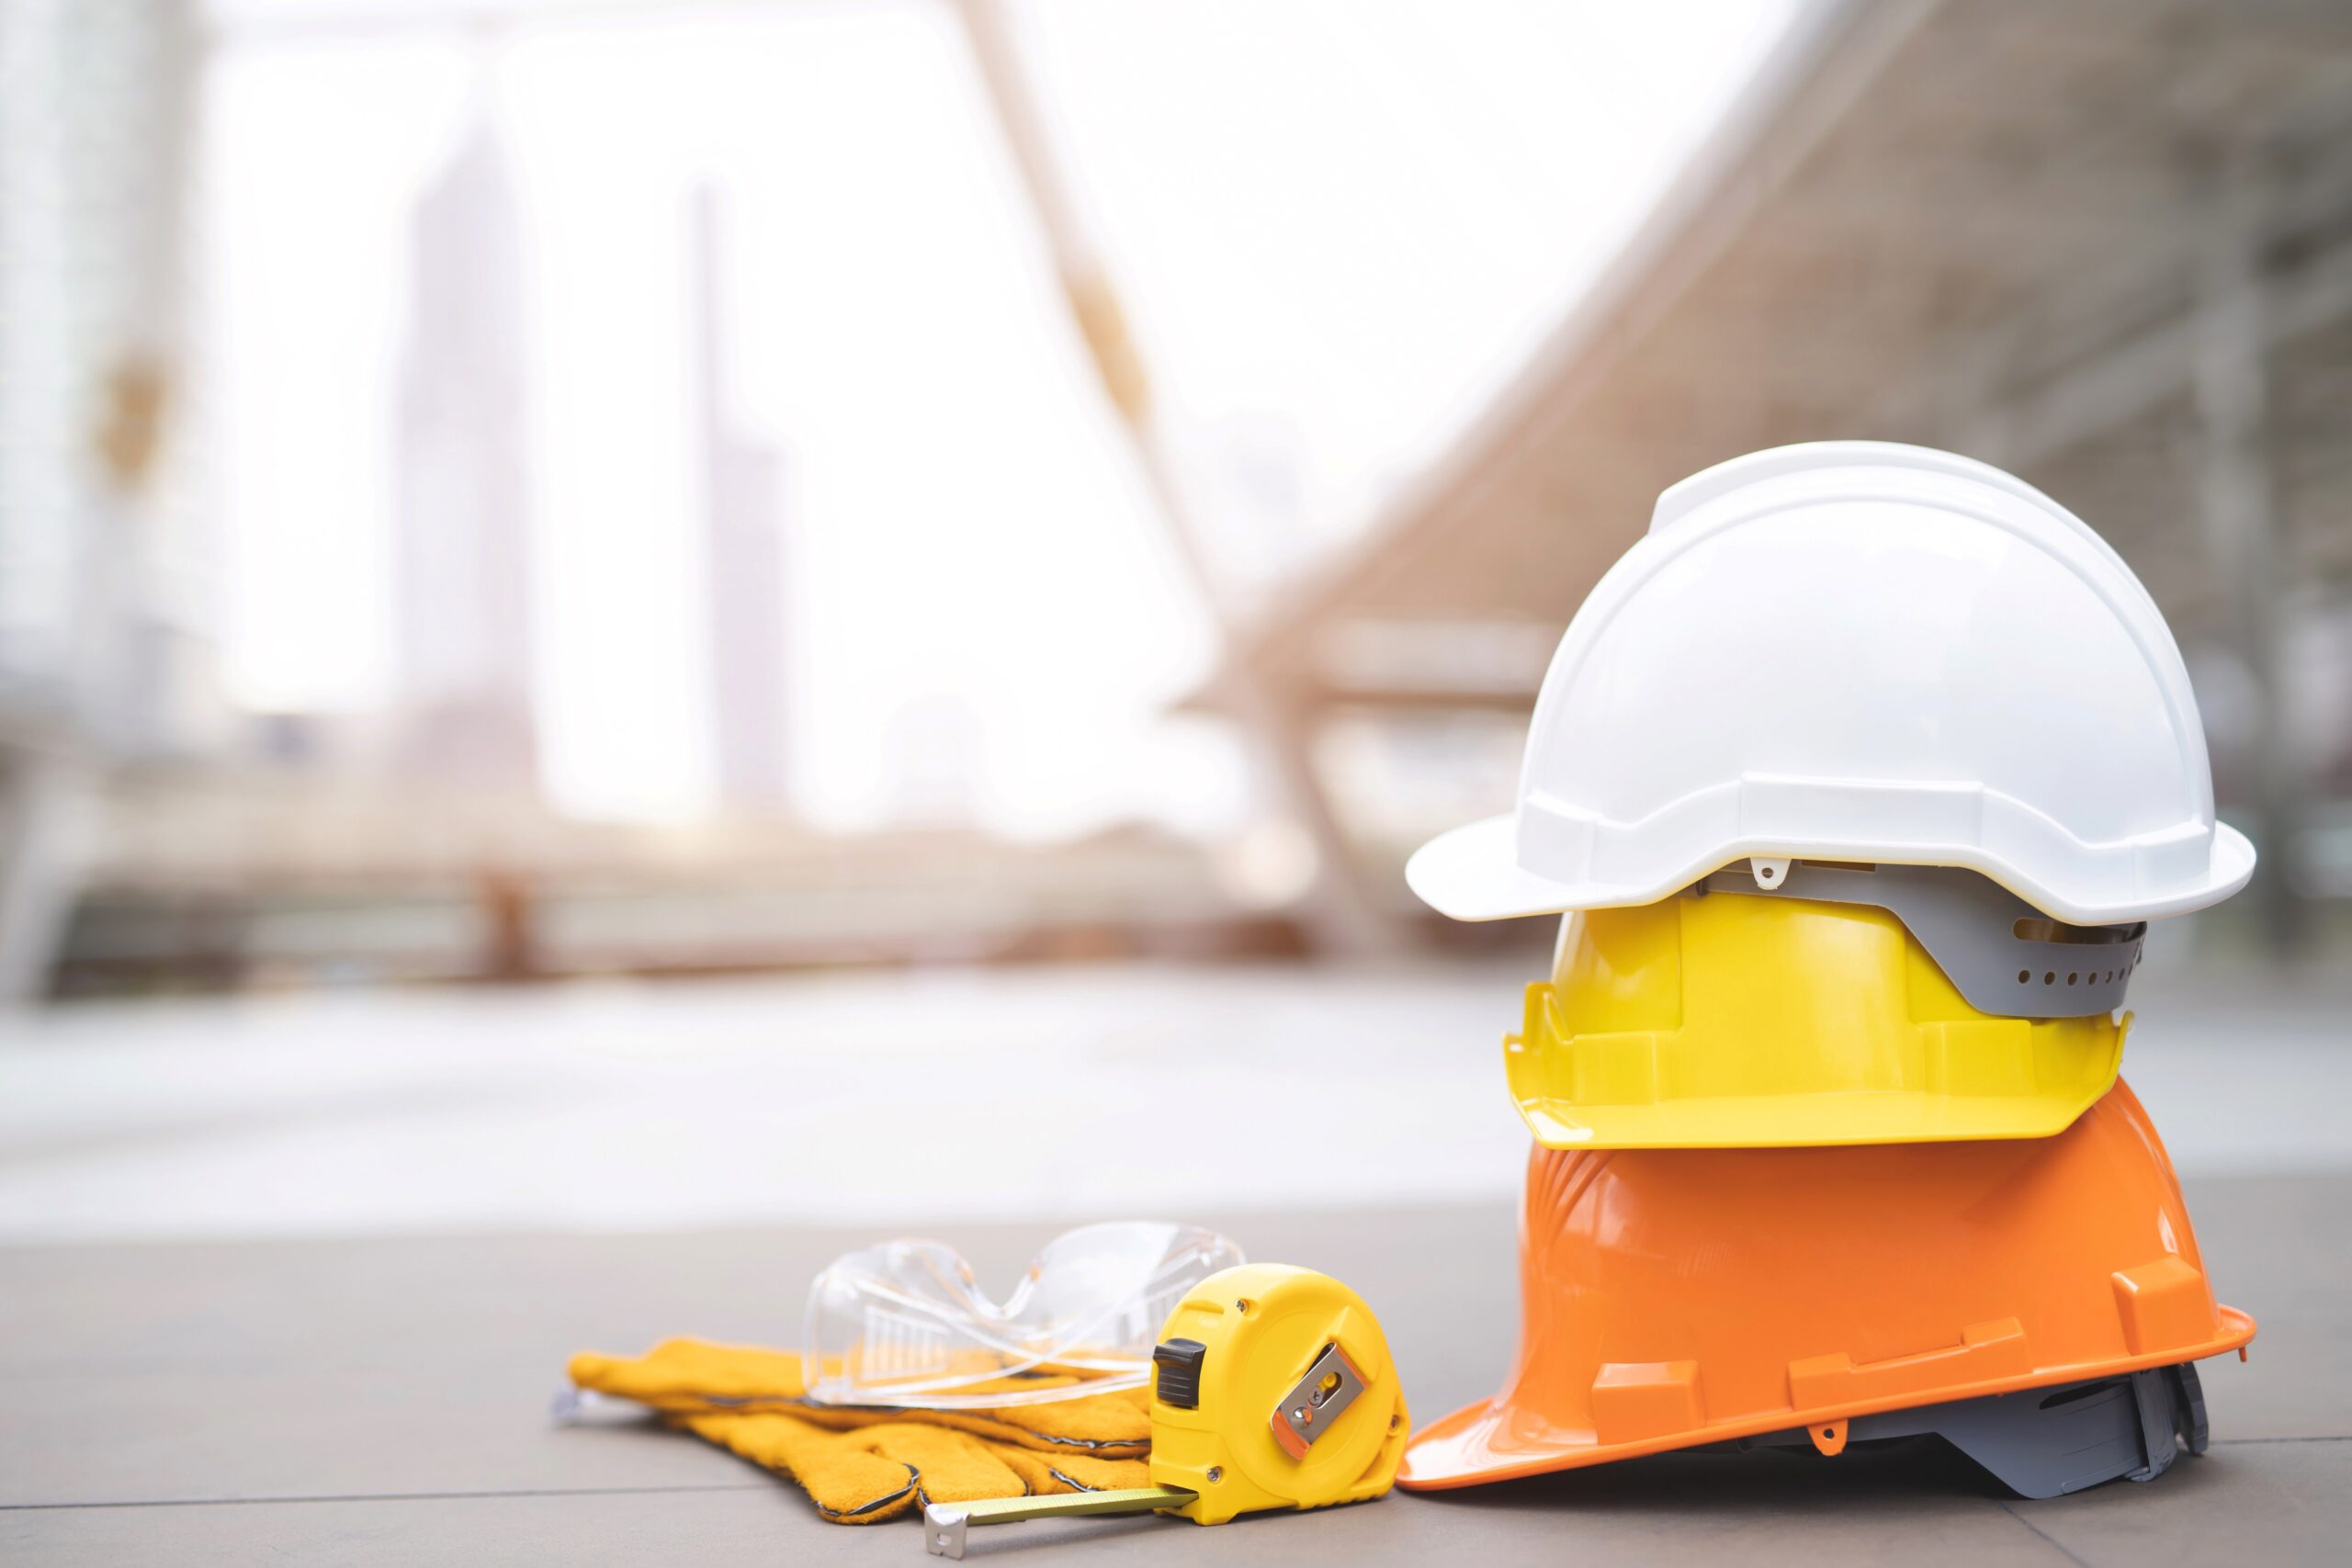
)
(1858, 781)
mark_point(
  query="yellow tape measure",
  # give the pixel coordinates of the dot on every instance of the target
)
(1272, 1388)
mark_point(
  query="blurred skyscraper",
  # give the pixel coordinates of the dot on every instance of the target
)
(462, 496)
(743, 560)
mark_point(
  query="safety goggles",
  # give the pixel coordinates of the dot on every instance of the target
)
(905, 1323)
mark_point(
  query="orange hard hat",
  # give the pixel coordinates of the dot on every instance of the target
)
(1673, 1297)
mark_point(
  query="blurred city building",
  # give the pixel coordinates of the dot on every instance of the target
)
(108, 585)
(462, 518)
(743, 556)
(2106, 244)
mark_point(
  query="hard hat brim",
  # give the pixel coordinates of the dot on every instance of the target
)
(1489, 1441)
(1473, 874)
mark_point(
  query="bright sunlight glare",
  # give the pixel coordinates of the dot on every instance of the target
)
(1339, 229)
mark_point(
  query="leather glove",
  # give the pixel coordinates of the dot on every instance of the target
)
(862, 1464)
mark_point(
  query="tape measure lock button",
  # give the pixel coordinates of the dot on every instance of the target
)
(1177, 1373)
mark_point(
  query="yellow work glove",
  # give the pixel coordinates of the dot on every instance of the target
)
(861, 1464)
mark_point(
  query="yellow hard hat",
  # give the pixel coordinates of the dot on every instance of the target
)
(1727, 1019)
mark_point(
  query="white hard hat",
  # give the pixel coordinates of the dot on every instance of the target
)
(1858, 651)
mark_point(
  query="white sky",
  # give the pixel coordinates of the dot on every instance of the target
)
(1338, 227)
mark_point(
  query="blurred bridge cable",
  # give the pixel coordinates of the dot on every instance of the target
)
(1343, 912)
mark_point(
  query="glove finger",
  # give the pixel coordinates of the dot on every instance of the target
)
(955, 1466)
(848, 1480)
(1051, 1475)
(692, 1374)
(1092, 1422)
(1107, 1425)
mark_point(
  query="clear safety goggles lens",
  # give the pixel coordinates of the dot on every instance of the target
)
(905, 1323)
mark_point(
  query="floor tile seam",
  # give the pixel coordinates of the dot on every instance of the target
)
(2045, 1537)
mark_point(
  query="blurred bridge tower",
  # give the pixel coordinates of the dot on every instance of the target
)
(1343, 912)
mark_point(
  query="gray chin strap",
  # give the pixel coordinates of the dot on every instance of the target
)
(2046, 1442)
(2000, 952)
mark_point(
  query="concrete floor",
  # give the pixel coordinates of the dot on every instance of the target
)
(382, 1400)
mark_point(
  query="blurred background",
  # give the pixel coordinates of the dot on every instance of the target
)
(602, 601)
